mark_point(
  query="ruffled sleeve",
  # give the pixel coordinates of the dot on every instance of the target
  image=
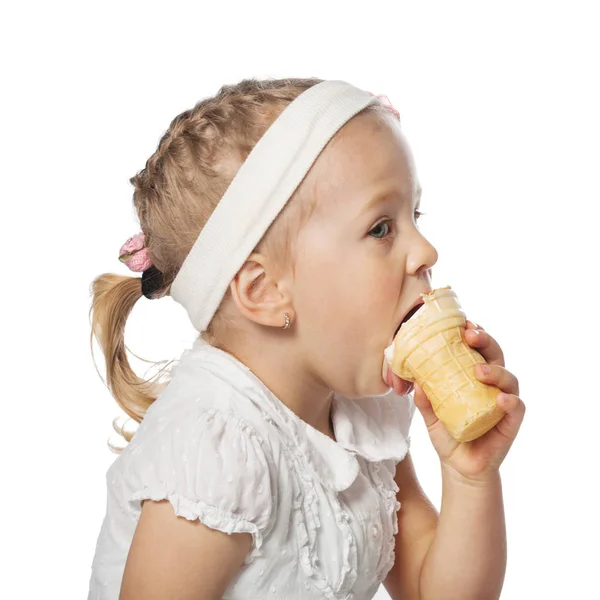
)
(211, 466)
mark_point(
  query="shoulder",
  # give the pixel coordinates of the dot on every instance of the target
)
(211, 465)
(203, 441)
(206, 380)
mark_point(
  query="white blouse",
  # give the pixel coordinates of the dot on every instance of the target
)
(222, 448)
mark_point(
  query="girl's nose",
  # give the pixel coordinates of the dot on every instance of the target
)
(422, 255)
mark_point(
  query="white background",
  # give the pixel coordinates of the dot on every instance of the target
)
(501, 105)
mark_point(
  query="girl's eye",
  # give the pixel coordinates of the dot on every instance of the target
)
(385, 226)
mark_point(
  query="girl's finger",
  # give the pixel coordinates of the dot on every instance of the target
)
(424, 406)
(486, 345)
(471, 325)
(498, 376)
(515, 412)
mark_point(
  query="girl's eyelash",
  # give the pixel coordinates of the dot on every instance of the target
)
(418, 215)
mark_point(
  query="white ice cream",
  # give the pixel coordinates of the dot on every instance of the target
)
(389, 353)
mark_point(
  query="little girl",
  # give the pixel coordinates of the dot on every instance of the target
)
(282, 215)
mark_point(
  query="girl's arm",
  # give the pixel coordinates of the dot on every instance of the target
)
(467, 556)
(459, 555)
(172, 557)
(417, 525)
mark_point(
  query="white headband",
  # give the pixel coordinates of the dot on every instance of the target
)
(260, 189)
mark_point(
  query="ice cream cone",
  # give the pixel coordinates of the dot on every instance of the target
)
(430, 349)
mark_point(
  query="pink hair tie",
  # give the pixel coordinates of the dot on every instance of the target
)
(387, 104)
(134, 254)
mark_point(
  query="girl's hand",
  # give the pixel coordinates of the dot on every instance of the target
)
(475, 461)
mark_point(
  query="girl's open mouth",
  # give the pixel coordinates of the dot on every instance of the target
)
(408, 316)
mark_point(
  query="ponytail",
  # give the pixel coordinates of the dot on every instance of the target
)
(113, 298)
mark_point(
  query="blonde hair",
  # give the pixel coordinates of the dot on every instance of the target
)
(174, 196)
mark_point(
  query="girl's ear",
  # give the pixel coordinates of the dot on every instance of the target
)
(258, 296)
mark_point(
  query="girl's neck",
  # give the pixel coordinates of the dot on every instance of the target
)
(309, 401)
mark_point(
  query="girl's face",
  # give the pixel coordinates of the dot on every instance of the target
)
(361, 259)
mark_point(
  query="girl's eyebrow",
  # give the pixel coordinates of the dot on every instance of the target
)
(383, 197)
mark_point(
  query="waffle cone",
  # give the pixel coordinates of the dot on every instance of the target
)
(430, 348)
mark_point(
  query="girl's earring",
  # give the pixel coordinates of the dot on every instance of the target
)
(287, 321)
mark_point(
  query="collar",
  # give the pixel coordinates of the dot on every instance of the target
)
(374, 428)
